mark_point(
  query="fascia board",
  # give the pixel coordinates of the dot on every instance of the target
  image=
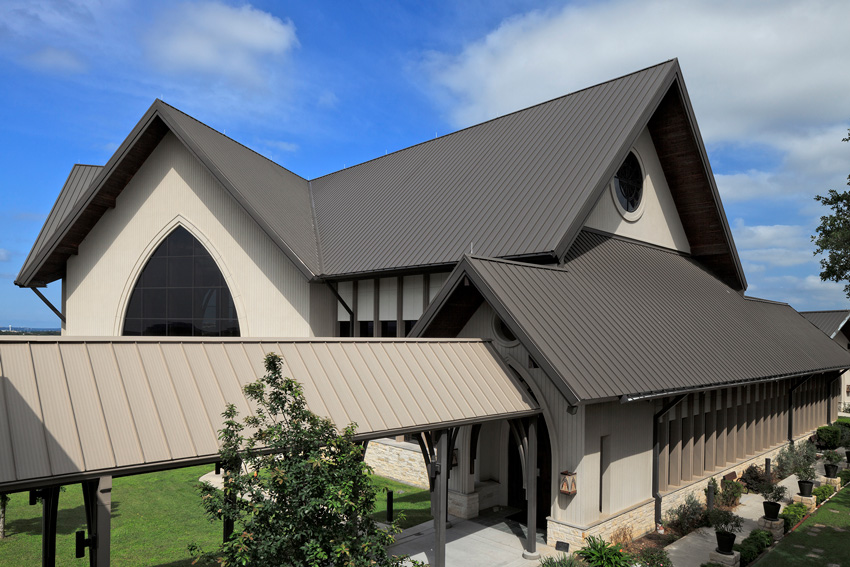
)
(28, 270)
(465, 268)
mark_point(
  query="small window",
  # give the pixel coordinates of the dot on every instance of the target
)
(388, 328)
(503, 332)
(367, 328)
(627, 188)
(408, 326)
(344, 329)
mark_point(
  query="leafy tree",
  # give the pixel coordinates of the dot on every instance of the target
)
(833, 236)
(296, 489)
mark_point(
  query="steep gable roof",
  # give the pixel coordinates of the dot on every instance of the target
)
(518, 186)
(622, 318)
(276, 198)
(830, 322)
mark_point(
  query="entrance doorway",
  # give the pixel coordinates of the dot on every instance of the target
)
(516, 492)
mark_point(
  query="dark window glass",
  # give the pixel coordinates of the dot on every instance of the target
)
(367, 329)
(388, 328)
(629, 181)
(344, 329)
(181, 292)
(408, 325)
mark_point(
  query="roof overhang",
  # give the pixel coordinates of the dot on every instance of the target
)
(79, 408)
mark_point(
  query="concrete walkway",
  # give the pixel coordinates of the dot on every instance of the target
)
(490, 540)
(693, 549)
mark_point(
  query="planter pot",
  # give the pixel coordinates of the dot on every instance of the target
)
(831, 470)
(725, 541)
(805, 487)
(847, 454)
(771, 510)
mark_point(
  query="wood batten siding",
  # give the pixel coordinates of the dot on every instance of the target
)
(733, 427)
(77, 409)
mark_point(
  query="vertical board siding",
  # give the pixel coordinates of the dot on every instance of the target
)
(271, 295)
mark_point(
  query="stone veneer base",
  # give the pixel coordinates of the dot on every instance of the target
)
(775, 527)
(731, 560)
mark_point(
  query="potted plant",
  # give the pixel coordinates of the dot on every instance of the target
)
(830, 466)
(803, 455)
(725, 524)
(772, 494)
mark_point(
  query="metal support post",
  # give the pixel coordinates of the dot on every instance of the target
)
(441, 488)
(49, 513)
(531, 490)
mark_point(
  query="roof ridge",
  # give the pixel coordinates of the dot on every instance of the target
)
(500, 117)
(231, 139)
(556, 268)
(763, 300)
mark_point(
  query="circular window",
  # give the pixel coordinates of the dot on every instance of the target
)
(503, 333)
(628, 187)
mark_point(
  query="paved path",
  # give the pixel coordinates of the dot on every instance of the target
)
(487, 541)
(693, 549)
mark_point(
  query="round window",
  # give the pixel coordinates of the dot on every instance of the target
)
(503, 333)
(628, 184)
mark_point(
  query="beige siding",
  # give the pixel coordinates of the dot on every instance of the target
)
(272, 297)
(659, 224)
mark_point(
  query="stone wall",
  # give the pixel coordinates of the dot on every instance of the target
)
(397, 460)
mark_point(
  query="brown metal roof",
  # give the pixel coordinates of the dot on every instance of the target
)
(517, 186)
(74, 408)
(627, 319)
(830, 322)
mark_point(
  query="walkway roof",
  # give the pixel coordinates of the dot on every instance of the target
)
(72, 409)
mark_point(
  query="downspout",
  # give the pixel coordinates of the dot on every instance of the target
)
(47, 302)
(343, 303)
(656, 451)
(791, 408)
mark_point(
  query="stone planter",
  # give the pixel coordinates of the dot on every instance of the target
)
(725, 541)
(805, 487)
(771, 510)
(830, 470)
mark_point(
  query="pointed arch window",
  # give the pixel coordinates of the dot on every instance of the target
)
(181, 292)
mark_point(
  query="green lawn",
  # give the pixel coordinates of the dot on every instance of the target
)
(154, 518)
(820, 540)
(414, 502)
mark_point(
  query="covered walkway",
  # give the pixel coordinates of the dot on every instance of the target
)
(85, 410)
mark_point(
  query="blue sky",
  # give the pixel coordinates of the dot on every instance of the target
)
(322, 85)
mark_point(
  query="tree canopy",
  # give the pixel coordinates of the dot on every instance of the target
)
(296, 489)
(833, 235)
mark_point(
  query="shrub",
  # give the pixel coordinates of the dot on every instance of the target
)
(712, 482)
(823, 492)
(829, 436)
(793, 514)
(653, 557)
(753, 477)
(730, 495)
(688, 516)
(785, 462)
(725, 520)
(772, 492)
(600, 553)
(844, 428)
(797, 459)
(832, 457)
(561, 561)
(844, 476)
(753, 545)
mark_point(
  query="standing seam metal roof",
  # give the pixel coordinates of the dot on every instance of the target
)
(76, 408)
(624, 318)
(830, 322)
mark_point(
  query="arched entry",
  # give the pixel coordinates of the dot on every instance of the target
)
(516, 481)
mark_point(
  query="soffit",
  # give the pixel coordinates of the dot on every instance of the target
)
(74, 409)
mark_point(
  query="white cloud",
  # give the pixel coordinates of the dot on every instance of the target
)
(56, 60)
(752, 68)
(771, 236)
(4, 255)
(211, 39)
(283, 146)
(806, 293)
